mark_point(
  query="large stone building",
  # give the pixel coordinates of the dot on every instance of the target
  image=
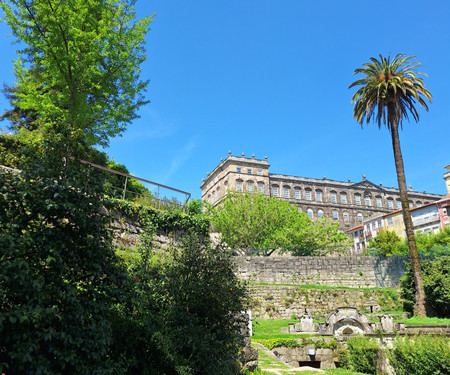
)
(350, 203)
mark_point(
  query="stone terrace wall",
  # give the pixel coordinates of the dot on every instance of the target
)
(355, 272)
(282, 302)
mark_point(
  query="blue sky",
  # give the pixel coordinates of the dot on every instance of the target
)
(271, 78)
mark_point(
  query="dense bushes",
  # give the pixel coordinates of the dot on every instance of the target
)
(70, 306)
(361, 354)
(436, 282)
(421, 355)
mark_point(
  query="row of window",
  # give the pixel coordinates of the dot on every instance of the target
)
(343, 198)
(249, 171)
(250, 187)
(345, 215)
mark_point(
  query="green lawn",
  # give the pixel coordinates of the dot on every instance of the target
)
(270, 329)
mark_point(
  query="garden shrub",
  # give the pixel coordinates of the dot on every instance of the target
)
(436, 283)
(362, 354)
(421, 355)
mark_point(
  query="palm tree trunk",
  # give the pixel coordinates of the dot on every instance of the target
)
(419, 307)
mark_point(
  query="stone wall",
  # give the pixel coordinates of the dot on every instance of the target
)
(354, 272)
(282, 302)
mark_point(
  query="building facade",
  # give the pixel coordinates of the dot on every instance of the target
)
(349, 203)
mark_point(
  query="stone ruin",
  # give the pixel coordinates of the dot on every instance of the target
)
(345, 321)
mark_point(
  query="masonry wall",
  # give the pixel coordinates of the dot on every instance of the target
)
(347, 271)
(283, 302)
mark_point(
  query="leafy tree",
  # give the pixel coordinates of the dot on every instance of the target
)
(78, 76)
(256, 222)
(60, 277)
(389, 92)
(387, 243)
(116, 182)
(436, 281)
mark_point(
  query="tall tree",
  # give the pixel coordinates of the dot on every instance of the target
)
(388, 94)
(79, 72)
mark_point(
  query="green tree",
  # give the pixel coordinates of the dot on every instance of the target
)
(390, 90)
(60, 277)
(387, 243)
(436, 281)
(254, 222)
(78, 76)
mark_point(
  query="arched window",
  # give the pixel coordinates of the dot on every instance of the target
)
(320, 214)
(250, 187)
(275, 191)
(310, 213)
(260, 188)
(300, 209)
(319, 195)
(399, 204)
(344, 198)
(419, 204)
(346, 218)
(333, 197)
(360, 217)
(390, 203)
(379, 201)
(239, 186)
(308, 194)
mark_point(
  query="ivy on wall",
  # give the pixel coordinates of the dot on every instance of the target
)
(162, 221)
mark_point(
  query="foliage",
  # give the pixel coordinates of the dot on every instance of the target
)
(78, 75)
(421, 355)
(362, 354)
(436, 280)
(387, 243)
(60, 276)
(168, 221)
(434, 244)
(415, 320)
(201, 301)
(115, 183)
(253, 222)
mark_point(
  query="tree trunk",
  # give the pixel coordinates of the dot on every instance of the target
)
(419, 307)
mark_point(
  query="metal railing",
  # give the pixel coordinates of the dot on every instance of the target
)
(158, 201)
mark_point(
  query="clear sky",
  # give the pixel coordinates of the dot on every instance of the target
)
(271, 78)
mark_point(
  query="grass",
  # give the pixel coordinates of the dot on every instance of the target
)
(270, 329)
(424, 321)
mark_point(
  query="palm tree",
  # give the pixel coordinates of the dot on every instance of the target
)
(389, 92)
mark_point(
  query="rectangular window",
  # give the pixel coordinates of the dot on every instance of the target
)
(358, 200)
(367, 199)
(286, 193)
(297, 194)
(275, 191)
(238, 170)
(308, 195)
(399, 205)
(259, 172)
(318, 196)
(335, 215)
(250, 187)
(260, 188)
(378, 202)
(344, 198)
(390, 203)
(390, 222)
(239, 186)
(379, 223)
(249, 171)
(333, 198)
